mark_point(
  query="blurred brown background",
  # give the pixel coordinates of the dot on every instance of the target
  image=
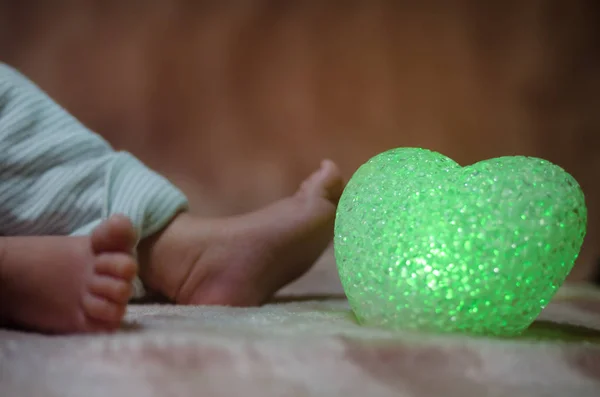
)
(237, 101)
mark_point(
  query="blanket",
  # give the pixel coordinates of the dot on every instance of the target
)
(305, 346)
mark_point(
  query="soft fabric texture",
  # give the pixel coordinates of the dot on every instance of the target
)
(305, 348)
(59, 178)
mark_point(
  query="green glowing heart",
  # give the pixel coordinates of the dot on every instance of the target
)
(424, 244)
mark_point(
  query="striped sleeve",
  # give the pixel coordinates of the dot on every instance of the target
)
(59, 178)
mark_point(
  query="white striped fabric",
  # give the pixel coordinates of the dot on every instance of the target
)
(59, 178)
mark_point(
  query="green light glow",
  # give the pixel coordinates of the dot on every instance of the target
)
(424, 244)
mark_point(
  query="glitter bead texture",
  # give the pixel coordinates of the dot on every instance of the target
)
(424, 244)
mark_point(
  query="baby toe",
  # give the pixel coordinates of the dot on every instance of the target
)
(327, 182)
(114, 235)
(120, 266)
(113, 289)
(103, 310)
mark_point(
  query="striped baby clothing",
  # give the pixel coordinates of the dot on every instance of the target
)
(59, 178)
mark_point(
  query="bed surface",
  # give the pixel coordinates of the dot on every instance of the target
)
(300, 347)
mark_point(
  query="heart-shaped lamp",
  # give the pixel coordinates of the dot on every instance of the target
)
(424, 244)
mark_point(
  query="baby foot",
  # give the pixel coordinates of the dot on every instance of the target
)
(68, 284)
(244, 260)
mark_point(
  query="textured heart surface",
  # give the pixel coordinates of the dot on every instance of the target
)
(422, 243)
